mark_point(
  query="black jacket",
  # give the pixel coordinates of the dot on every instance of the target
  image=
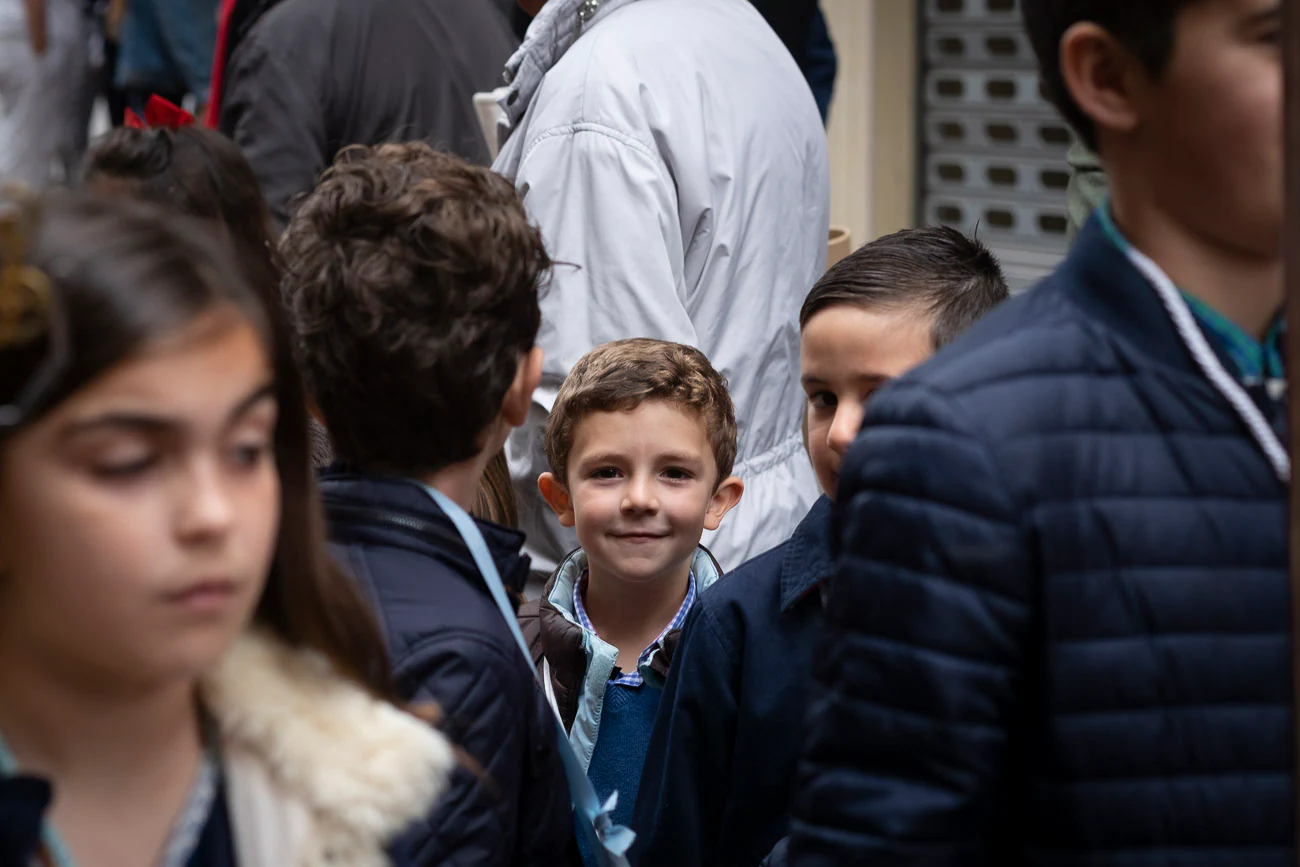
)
(451, 645)
(314, 76)
(720, 772)
(1058, 630)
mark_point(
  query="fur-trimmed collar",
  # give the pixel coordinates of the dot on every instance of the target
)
(340, 772)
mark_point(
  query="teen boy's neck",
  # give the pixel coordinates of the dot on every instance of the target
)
(1245, 286)
(459, 482)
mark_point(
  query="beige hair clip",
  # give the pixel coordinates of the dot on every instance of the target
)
(24, 290)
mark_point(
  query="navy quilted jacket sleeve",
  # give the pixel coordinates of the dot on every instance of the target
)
(492, 814)
(928, 617)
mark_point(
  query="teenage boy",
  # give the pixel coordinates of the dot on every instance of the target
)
(1058, 628)
(411, 279)
(739, 683)
(641, 443)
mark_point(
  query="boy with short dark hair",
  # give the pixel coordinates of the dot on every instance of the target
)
(720, 772)
(641, 443)
(411, 280)
(1058, 630)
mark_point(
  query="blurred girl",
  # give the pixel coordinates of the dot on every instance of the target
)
(178, 659)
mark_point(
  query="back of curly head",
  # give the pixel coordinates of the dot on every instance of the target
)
(411, 280)
(622, 375)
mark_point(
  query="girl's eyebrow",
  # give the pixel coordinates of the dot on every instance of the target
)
(152, 423)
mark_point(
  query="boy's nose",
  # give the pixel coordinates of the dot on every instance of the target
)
(845, 427)
(640, 495)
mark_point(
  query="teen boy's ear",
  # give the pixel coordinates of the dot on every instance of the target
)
(724, 500)
(514, 409)
(1104, 78)
(557, 497)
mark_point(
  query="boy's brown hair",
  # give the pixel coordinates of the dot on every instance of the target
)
(411, 281)
(620, 376)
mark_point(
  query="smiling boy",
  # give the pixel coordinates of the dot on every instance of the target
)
(640, 443)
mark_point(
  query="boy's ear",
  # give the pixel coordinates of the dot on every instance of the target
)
(724, 500)
(520, 396)
(557, 497)
(1102, 76)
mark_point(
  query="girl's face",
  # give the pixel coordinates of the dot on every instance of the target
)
(138, 518)
(846, 353)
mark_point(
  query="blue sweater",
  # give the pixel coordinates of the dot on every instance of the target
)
(626, 720)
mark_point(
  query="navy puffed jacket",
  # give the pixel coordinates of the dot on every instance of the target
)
(1058, 629)
(509, 803)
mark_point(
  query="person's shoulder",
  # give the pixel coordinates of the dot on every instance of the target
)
(751, 590)
(1031, 343)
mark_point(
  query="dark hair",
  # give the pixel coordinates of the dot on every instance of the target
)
(125, 274)
(621, 375)
(1144, 27)
(411, 280)
(952, 279)
(198, 172)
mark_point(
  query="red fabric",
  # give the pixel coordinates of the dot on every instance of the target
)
(159, 114)
(219, 64)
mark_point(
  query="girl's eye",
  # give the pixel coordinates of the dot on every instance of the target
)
(126, 469)
(822, 400)
(250, 455)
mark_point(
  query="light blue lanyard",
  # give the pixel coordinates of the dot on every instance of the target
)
(610, 839)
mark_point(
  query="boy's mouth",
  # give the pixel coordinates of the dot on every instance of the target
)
(639, 537)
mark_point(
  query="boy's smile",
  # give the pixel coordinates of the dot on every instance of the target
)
(642, 488)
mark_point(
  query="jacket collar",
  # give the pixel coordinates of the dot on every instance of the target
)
(559, 590)
(1099, 279)
(362, 507)
(317, 769)
(807, 561)
(552, 33)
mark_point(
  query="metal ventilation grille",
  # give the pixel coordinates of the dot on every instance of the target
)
(994, 150)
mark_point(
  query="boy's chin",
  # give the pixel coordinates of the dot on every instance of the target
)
(639, 570)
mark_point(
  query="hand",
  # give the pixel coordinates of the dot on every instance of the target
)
(36, 34)
(113, 19)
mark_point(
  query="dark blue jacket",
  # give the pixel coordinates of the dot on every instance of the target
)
(720, 772)
(1057, 632)
(450, 645)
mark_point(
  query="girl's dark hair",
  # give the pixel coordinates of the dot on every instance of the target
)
(937, 271)
(198, 172)
(125, 274)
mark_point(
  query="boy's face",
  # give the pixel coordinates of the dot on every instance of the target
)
(846, 354)
(641, 491)
(1211, 125)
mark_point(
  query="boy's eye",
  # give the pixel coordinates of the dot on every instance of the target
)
(605, 473)
(822, 400)
(677, 473)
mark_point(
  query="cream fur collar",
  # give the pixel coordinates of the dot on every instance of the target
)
(327, 773)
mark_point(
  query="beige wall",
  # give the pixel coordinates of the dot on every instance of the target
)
(872, 130)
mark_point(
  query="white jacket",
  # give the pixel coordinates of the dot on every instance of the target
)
(673, 156)
(317, 772)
